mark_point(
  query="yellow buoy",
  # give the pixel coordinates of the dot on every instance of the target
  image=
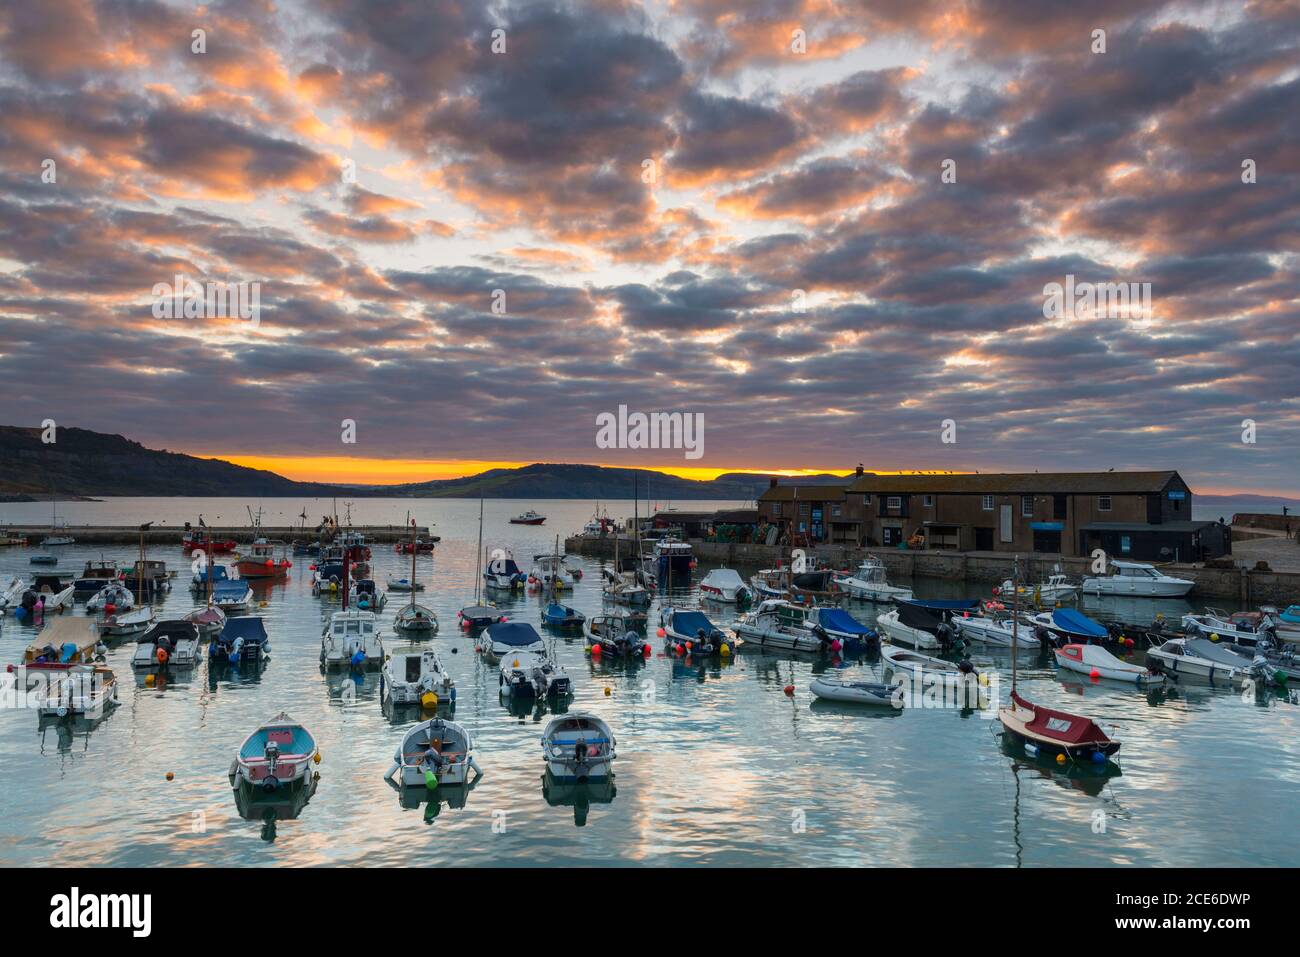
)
(429, 700)
(608, 691)
(725, 650)
(170, 776)
(150, 680)
(316, 757)
(1060, 759)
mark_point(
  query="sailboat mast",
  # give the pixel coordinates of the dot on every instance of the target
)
(478, 555)
(1015, 619)
(412, 564)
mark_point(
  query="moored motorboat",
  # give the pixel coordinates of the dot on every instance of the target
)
(367, 595)
(50, 593)
(853, 636)
(1203, 659)
(578, 746)
(199, 580)
(12, 593)
(278, 754)
(724, 585)
(242, 640)
(351, 640)
(234, 595)
(413, 674)
(1097, 663)
(533, 673)
(95, 575)
(503, 638)
(557, 615)
(502, 574)
(916, 663)
(777, 623)
(607, 641)
(62, 643)
(114, 595)
(529, 517)
(122, 622)
(549, 574)
(869, 583)
(1137, 578)
(1242, 628)
(80, 691)
(171, 643)
(924, 625)
(1056, 588)
(260, 562)
(404, 584)
(434, 753)
(691, 632)
(1069, 626)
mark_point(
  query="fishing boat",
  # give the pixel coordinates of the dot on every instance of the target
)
(1070, 626)
(849, 691)
(367, 595)
(724, 585)
(1242, 628)
(1056, 588)
(777, 623)
(434, 753)
(242, 640)
(8, 538)
(528, 518)
(80, 691)
(114, 595)
(604, 638)
(533, 673)
(673, 561)
(502, 574)
(62, 643)
(278, 754)
(549, 574)
(839, 626)
(508, 638)
(173, 642)
(870, 583)
(1204, 659)
(94, 576)
(1096, 662)
(403, 584)
(691, 632)
(802, 579)
(1042, 730)
(924, 625)
(557, 615)
(148, 578)
(578, 747)
(414, 619)
(125, 621)
(234, 595)
(1137, 578)
(261, 561)
(413, 674)
(201, 540)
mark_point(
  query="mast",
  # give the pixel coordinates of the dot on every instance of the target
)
(1015, 620)
(412, 563)
(347, 560)
(139, 564)
(478, 567)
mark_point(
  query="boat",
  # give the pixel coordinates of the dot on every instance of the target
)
(724, 585)
(857, 692)
(43, 560)
(199, 580)
(508, 638)
(502, 574)
(533, 672)
(12, 593)
(418, 546)
(1057, 588)
(242, 640)
(528, 518)
(578, 747)
(869, 583)
(350, 640)
(1205, 659)
(8, 538)
(62, 643)
(414, 619)
(477, 616)
(852, 635)
(924, 625)
(803, 578)
(691, 632)
(604, 637)
(1137, 578)
(1070, 626)
(923, 665)
(327, 576)
(80, 691)
(777, 623)
(1241, 628)
(125, 621)
(672, 560)
(627, 586)
(261, 561)
(403, 584)
(556, 615)
(433, 754)
(114, 595)
(278, 754)
(617, 623)
(233, 595)
(1096, 662)
(993, 627)
(147, 578)
(201, 540)
(549, 574)
(367, 595)
(209, 620)
(1042, 730)
(172, 642)
(95, 575)
(51, 592)
(413, 674)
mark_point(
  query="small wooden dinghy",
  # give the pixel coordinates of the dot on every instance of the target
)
(416, 619)
(1097, 662)
(857, 692)
(277, 754)
(433, 753)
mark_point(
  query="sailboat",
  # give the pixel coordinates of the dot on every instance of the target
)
(209, 619)
(476, 615)
(557, 614)
(1043, 730)
(54, 538)
(415, 619)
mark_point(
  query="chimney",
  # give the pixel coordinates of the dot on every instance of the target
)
(859, 470)
(771, 482)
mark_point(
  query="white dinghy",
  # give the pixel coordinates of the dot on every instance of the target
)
(578, 747)
(857, 692)
(1096, 662)
(80, 691)
(434, 753)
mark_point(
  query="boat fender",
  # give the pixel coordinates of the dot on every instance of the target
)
(1098, 757)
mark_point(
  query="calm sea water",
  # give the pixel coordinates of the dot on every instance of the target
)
(716, 764)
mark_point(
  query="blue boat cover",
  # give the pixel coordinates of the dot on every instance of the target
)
(836, 619)
(557, 612)
(229, 589)
(691, 623)
(517, 634)
(1067, 619)
(219, 574)
(250, 629)
(944, 604)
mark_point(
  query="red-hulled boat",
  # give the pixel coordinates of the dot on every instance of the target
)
(419, 546)
(260, 562)
(528, 518)
(200, 540)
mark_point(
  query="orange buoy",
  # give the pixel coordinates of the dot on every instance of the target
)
(789, 690)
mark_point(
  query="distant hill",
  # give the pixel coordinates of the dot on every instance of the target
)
(543, 480)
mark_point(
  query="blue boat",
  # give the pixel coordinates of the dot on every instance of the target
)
(241, 640)
(1072, 625)
(219, 574)
(562, 616)
(838, 623)
(693, 629)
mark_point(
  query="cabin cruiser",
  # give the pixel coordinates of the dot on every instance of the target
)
(1137, 578)
(725, 585)
(350, 640)
(413, 674)
(233, 595)
(549, 573)
(618, 622)
(1242, 628)
(79, 691)
(1207, 660)
(691, 632)
(529, 517)
(924, 625)
(870, 584)
(502, 574)
(434, 753)
(367, 595)
(94, 576)
(173, 642)
(673, 561)
(114, 595)
(1057, 588)
(777, 623)
(578, 746)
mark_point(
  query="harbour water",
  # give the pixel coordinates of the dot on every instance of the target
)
(716, 765)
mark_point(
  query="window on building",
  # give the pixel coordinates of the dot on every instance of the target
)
(866, 501)
(776, 509)
(1103, 503)
(1027, 506)
(927, 501)
(987, 503)
(803, 508)
(835, 511)
(893, 502)
(1125, 544)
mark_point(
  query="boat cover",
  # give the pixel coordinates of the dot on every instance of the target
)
(1061, 725)
(944, 604)
(724, 578)
(219, 574)
(175, 629)
(1214, 651)
(692, 623)
(252, 630)
(503, 566)
(57, 636)
(235, 588)
(836, 619)
(516, 634)
(1067, 619)
(918, 616)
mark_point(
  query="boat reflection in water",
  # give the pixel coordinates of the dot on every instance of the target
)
(1089, 777)
(535, 708)
(580, 797)
(454, 796)
(270, 807)
(69, 728)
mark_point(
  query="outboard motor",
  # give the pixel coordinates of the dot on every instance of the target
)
(1043, 635)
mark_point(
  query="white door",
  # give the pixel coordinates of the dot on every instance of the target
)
(1006, 523)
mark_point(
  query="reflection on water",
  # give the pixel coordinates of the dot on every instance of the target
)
(716, 765)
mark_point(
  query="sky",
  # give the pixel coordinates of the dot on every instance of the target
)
(827, 228)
